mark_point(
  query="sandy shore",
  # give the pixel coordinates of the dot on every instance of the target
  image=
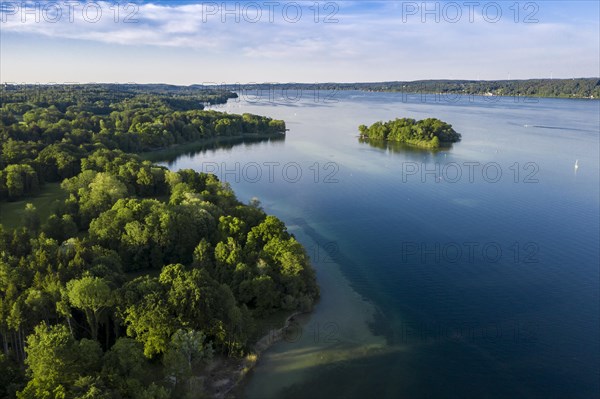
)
(225, 375)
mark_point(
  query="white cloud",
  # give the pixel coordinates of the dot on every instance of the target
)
(368, 43)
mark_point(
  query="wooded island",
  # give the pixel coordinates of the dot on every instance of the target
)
(428, 133)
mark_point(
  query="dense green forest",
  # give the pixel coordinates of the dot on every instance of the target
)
(563, 88)
(429, 133)
(47, 130)
(141, 275)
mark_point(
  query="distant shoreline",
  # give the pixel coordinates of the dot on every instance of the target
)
(569, 88)
(438, 93)
(573, 88)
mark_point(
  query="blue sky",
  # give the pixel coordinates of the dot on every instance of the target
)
(202, 42)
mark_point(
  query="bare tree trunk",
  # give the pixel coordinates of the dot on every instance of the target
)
(22, 343)
(106, 331)
(116, 328)
(14, 345)
(70, 326)
(16, 348)
(4, 344)
(93, 322)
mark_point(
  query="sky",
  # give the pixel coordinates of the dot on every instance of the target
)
(295, 41)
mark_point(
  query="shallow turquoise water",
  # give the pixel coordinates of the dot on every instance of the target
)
(469, 272)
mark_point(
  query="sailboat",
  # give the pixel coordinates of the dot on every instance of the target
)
(576, 164)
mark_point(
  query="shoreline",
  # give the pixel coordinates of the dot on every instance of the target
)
(225, 376)
(229, 375)
(412, 143)
(342, 317)
(481, 94)
(180, 148)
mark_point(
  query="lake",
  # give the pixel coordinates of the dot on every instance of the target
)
(472, 271)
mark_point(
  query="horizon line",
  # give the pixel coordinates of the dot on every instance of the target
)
(210, 84)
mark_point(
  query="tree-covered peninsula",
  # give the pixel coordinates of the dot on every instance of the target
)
(137, 276)
(46, 131)
(428, 133)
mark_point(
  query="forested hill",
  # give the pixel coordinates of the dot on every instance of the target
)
(560, 88)
(137, 276)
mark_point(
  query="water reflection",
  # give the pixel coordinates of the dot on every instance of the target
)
(398, 147)
(170, 155)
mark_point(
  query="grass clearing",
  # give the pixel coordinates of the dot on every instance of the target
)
(11, 213)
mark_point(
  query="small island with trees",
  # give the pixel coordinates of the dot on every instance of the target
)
(428, 133)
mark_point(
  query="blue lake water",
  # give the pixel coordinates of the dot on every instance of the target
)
(467, 272)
